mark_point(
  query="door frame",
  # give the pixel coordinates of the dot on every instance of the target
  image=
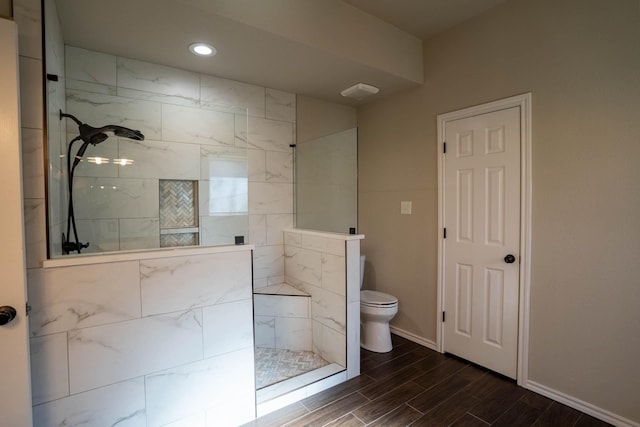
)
(524, 102)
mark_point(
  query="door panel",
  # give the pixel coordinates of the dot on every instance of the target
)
(482, 218)
(15, 402)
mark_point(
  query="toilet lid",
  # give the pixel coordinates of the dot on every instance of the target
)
(377, 298)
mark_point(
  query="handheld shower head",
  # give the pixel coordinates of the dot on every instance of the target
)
(94, 136)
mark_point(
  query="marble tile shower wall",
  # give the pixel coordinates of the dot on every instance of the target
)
(317, 266)
(190, 120)
(146, 341)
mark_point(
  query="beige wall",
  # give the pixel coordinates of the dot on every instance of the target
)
(316, 118)
(5, 8)
(581, 61)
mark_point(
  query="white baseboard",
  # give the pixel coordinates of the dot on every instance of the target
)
(415, 338)
(580, 405)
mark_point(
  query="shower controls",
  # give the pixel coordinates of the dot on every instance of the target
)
(7, 314)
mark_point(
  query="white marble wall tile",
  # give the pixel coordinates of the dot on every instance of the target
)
(90, 66)
(279, 167)
(173, 284)
(26, 14)
(293, 334)
(277, 280)
(265, 331)
(282, 306)
(334, 346)
(334, 274)
(241, 130)
(95, 109)
(327, 307)
(98, 159)
(323, 244)
(49, 368)
(32, 163)
(268, 261)
(139, 233)
(275, 224)
(177, 99)
(148, 77)
(227, 327)
(217, 197)
(353, 271)
(316, 329)
(185, 124)
(257, 165)
(281, 105)
(292, 239)
(244, 412)
(223, 383)
(120, 404)
(31, 96)
(270, 198)
(223, 162)
(221, 230)
(133, 348)
(303, 264)
(258, 230)
(54, 40)
(259, 283)
(103, 235)
(232, 96)
(159, 159)
(98, 294)
(269, 135)
(106, 198)
(84, 86)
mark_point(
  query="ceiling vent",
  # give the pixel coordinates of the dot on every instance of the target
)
(359, 91)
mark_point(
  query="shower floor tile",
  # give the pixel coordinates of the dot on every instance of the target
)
(275, 365)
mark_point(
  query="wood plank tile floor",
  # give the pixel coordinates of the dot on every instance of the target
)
(416, 386)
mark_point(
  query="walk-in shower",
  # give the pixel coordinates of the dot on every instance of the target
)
(94, 136)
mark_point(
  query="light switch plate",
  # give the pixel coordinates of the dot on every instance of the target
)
(405, 208)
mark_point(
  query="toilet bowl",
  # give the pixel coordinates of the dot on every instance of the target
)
(376, 310)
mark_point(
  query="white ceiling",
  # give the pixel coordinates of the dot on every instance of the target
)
(256, 51)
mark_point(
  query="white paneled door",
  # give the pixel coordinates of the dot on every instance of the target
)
(480, 257)
(15, 402)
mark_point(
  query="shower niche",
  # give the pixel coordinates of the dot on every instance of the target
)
(178, 213)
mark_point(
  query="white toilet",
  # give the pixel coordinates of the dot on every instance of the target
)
(376, 310)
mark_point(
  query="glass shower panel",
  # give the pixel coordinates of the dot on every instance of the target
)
(134, 193)
(327, 183)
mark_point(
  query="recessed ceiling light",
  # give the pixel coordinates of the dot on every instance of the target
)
(202, 49)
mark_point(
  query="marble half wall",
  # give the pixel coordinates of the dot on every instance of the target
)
(327, 267)
(151, 341)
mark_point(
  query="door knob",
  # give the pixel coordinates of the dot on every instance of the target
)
(7, 314)
(509, 259)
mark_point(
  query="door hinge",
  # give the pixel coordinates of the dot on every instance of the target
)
(444, 148)
(27, 308)
(443, 317)
(444, 234)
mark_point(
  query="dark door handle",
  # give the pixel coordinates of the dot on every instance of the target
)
(509, 259)
(7, 314)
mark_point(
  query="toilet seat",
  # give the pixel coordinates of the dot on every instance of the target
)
(377, 299)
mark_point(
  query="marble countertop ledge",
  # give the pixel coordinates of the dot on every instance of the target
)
(339, 236)
(107, 257)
